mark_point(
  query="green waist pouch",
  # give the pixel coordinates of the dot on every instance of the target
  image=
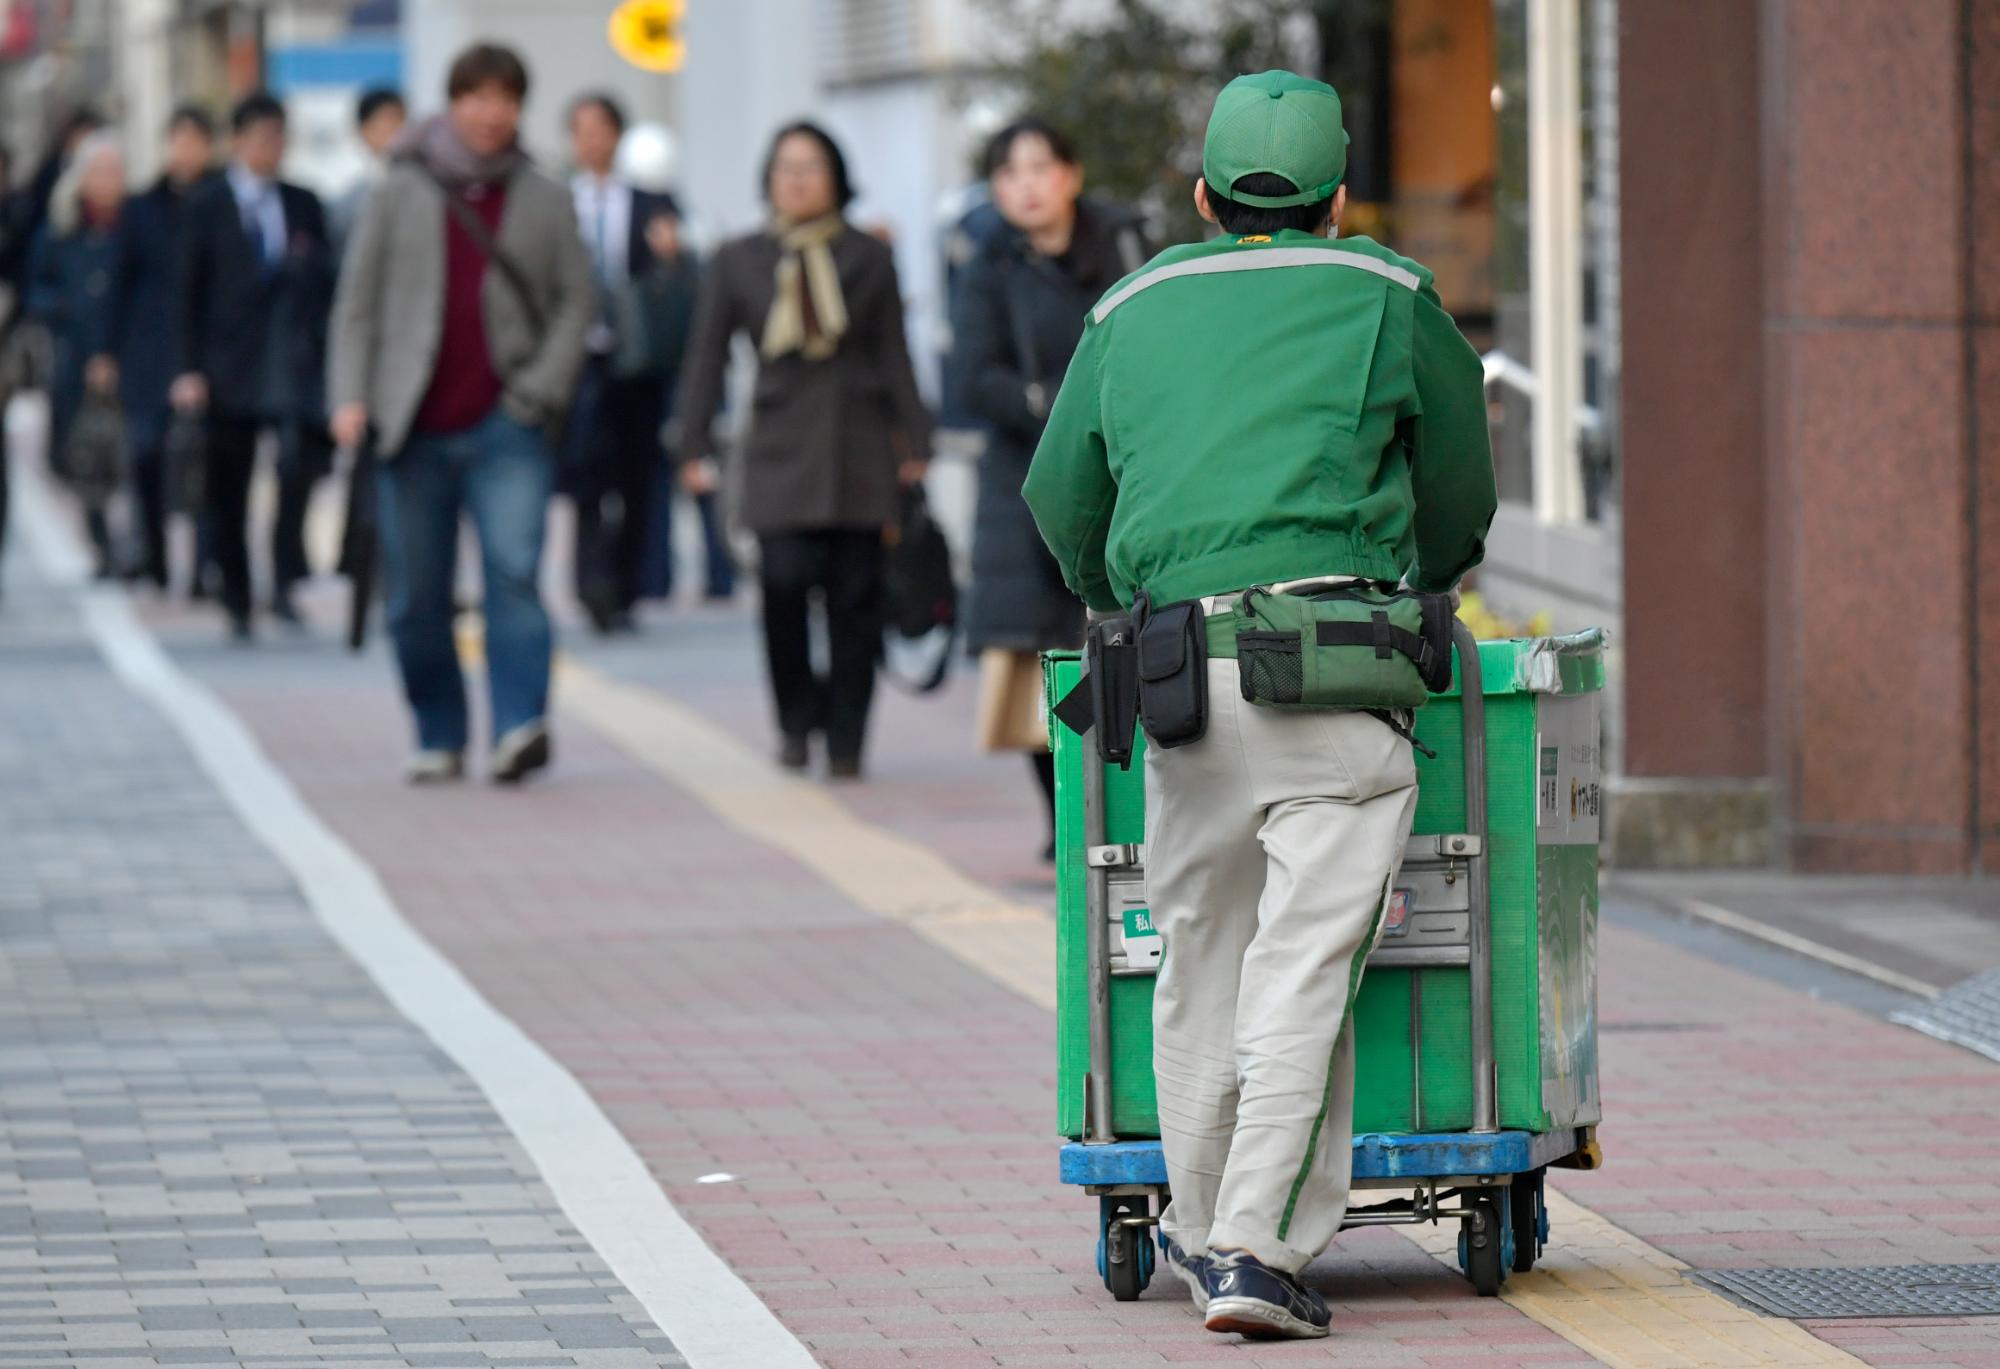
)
(1351, 646)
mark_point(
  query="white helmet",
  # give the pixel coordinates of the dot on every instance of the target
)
(646, 156)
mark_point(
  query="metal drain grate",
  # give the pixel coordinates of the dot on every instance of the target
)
(1967, 1014)
(1910, 1290)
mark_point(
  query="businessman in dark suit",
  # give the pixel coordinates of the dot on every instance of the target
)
(615, 455)
(255, 295)
(146, 295)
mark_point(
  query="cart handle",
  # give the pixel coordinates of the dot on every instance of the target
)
(1472, 715)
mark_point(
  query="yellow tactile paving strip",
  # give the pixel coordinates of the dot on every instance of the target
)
(1599, 1287)
(1604, 1290)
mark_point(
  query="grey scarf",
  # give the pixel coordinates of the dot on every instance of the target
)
(435, 145)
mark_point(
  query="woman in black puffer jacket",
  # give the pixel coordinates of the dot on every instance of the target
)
(1017, 313)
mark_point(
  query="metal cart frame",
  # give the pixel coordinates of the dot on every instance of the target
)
(1494, 1177)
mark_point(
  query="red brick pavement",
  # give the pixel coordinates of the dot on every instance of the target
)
(887, 1110)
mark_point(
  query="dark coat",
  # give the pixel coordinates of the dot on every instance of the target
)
(70, 292)
(145, 290)
(663, 295)
(257, 337)
(1016, 318)
(824, 437)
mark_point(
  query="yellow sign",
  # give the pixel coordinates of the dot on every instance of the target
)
(647, 33)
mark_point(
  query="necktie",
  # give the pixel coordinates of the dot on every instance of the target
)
(254, 219)
(603, 235)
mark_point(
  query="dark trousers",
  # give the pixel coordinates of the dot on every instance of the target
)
(149, 508)
(6, 488)
(718, 567)
(617, 458)
(232, 462)
(845, 567)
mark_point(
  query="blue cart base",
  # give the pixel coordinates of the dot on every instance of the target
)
(1496, 1179)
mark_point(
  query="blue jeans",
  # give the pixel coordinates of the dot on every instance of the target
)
(501, 472)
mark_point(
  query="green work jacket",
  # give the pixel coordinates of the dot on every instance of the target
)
(1257, 409)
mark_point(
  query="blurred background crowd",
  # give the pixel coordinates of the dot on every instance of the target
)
(1663, 226)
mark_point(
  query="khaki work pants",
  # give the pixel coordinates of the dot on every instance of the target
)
(1271, 847)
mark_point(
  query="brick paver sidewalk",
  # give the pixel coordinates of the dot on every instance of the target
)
(218, 1143)
(1747, 1125)
(886, 1110)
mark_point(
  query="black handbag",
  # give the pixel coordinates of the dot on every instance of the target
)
(921, 594)
(95, 456)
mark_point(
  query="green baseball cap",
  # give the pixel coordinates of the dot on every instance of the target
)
(1280, 123)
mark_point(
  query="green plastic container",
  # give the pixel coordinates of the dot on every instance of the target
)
(1543, 790)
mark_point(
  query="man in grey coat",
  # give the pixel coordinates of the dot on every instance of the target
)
(458, 333)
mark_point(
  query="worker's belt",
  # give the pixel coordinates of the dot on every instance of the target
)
(1349, 646)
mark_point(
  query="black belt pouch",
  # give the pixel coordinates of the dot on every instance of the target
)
(1173, 673)
(1111, 660)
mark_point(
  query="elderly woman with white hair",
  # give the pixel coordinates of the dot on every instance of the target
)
(70, 278)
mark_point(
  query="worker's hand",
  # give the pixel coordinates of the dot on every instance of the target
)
(1457, 597)
(189, 393)
(663, 235)
(910, 474)
(100, 373)
(350, 425)
(699, 477)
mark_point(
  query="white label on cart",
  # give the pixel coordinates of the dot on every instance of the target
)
(1569, 779)
(1142, 941)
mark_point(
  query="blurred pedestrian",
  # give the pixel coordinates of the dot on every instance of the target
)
(70, 276)
(379, 117)
(9, 348)
(459, 331)
(13, 245)
(835, 425)
(255, 288)
(667, 298)
(28, 206)
(614, 450)
(1017, 312)
(145, 287)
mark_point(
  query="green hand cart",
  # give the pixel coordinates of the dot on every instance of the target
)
(1476, 1066)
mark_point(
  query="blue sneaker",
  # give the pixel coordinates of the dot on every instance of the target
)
(1250, 1298)
(1191, 1270)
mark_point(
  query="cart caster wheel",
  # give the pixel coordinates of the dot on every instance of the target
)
(1527, 1201)
(1485, 1243)
(1124, 1255)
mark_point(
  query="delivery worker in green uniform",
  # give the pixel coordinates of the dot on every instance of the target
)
(1291, 412)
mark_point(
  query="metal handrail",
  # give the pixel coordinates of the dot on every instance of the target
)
(1500, 369)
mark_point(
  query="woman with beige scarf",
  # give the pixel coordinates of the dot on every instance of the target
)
(835, 428)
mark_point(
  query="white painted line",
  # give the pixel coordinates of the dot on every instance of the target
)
(713, 1318)
(1826, 955)
(47, 530)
